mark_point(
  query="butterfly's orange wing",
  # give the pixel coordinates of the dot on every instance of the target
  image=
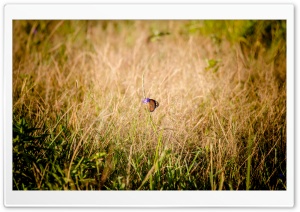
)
(152, 105)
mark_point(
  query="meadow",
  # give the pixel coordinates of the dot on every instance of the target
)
(79, 122)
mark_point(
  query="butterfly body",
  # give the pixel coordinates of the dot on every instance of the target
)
(153, 104)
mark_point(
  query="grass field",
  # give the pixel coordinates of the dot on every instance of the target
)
(79, 122)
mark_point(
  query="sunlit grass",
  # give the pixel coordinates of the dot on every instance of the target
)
(79, 121)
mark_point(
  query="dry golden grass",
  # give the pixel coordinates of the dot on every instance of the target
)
(81, 83)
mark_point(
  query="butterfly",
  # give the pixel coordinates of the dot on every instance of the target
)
(153, 104)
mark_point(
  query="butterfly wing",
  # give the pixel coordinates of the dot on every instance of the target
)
(152, 105)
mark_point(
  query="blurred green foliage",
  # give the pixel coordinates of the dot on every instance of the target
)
(264, 31)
